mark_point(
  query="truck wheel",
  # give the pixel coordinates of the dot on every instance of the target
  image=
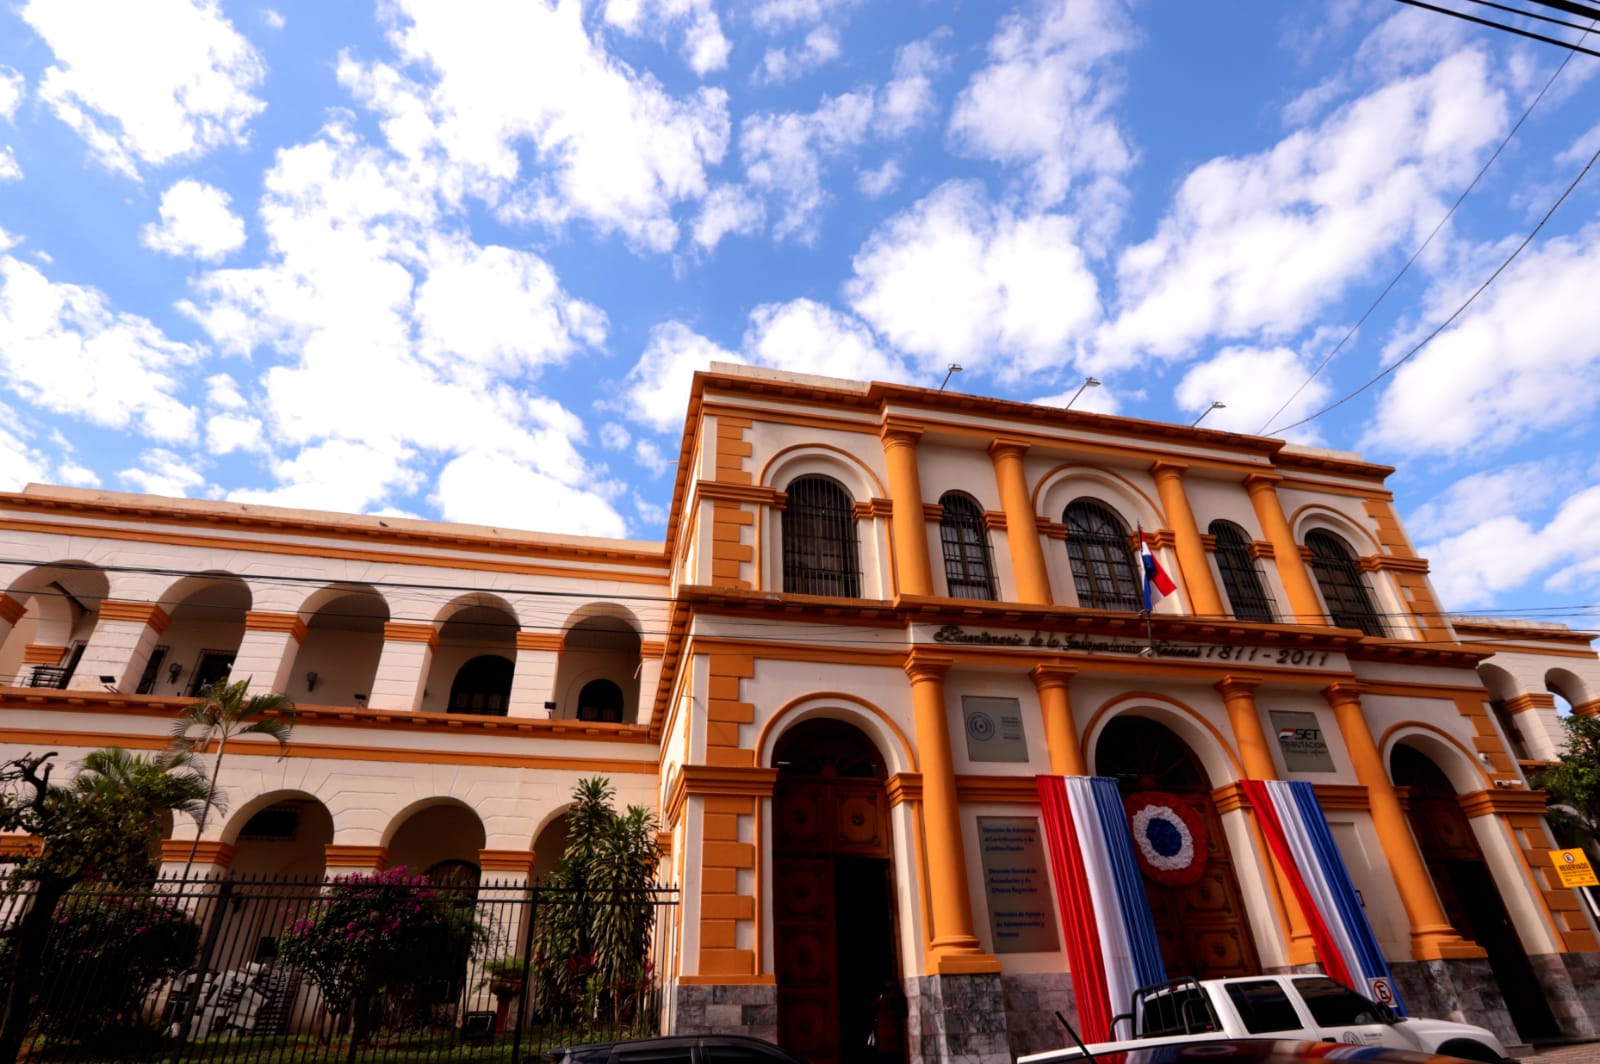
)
(1467, 1049)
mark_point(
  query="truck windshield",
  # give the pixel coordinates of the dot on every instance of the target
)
(1263, 1007)
(1336, 1005)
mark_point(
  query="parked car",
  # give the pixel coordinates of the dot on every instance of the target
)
(1204, 1050)
(676, 1049)
(1310, 1007)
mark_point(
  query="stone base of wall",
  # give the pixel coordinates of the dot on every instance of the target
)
(1032, 1002)
(738, 1008)
(957, 1019)
(1571, 983)
(1462, 990)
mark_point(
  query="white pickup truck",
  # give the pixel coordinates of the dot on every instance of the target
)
(1312, 1008)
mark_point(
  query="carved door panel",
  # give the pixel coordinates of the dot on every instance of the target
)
(1202, 926)
(808, 1004)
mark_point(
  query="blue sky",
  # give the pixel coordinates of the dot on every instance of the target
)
(459, 260)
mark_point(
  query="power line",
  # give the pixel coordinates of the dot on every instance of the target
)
(1266, 426)
(1442, 326)
(1585, 10)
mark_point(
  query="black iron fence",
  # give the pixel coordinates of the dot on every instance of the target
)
(379, 968)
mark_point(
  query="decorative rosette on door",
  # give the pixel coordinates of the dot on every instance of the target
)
(1169, 836)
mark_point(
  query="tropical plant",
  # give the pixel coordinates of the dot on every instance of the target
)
(376, 945)
(1573, 782)
(596, 912)
(102, 827)
(226, 711)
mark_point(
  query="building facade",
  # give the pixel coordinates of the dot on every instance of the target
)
(880, 614)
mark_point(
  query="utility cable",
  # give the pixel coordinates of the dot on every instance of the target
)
(1266, 426)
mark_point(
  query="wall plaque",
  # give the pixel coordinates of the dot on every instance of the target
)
(1022, 911)
(994, 729)
(1300, 739)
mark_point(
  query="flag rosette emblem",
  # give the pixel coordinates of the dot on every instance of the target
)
(1169, 836)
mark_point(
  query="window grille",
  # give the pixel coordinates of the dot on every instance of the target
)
(968, 557)
(1103, 568)
(1334, 565)
(820, 552)
(1247, 596)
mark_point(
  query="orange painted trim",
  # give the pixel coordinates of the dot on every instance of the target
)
(1392, 735)
(1006, 790)
(1503, 802)
(11, 611)
(515, 861)
(1514, 634)
(652, 649)
(404, 632)
(264, 621)
(16, 846)
(147, 613)
(1348, 796)
(773, 726)
(1336, 521)
(903, 787)
(729, 979)
(1530, 701)
(339, 855)
(208, 852)
(540, 641)
(588, 566)
(877, 490)
(42, 654)
(1079, 471)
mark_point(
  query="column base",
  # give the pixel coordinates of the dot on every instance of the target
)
(1461, 990)
(1032, 1001)
(961, 960)
(724, 1008)
(1571, 984)
(1444, 945)
(953, 1018)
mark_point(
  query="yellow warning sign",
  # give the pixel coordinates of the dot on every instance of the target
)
(1574, 868)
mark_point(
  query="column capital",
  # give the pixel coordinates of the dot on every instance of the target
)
(1260, 482)
(1166, 467)
(514, 861)
(1532, 700)
(1344, 691)
(1048, 676)
(1004, 447)
(371, 858)
(206, 852)
(527, 640)
(897, 433)
(1235, 686)
(1590, 708)
(922, 665)
(138, 612)
(400, 632)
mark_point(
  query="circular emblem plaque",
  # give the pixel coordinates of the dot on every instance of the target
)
(1169, 837)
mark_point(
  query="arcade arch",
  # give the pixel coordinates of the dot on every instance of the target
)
(61, 606)
(597, 677)
(338, 658)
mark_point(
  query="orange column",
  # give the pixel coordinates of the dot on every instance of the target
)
(1432, 936)
(1238, 695)
(1303, 600)
(1060, 730)
(1022, 524)
(905, 493)
(952, 947)
(1194, 568)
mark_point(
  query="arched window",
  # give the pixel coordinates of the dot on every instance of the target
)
(483, 686)
(600, 700)
(820, 555)
(1247, 597)
(968, 560)
(1103, 569)
(1334, 565)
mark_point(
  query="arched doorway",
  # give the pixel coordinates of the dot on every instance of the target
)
(1201, 923)
(834, 909)
(483, 686)
(1466, 888)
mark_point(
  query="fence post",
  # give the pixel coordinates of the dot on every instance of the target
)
(213, 929)
(527, 964)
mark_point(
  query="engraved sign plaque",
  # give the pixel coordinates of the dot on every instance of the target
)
(994, 729)
(1022, 915)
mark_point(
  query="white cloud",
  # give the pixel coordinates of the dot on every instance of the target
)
(1046, 102)
(1506, 551)
(1256, 246)
(1524, 359)
(771, 16)
(958, 279)
(1095, 400)
(649, 455)
(656, 390)
(807, 337)
(496, 80)
(728, 209)
(1253, 382)
(272, 19)
(880, 180)
(1480, 497)
(21, 463)
(161, 472)
(64, 348)
(10, 169)
(908, 99)
(150, 82)
(783, 155)
(705, 48)
(821, 46)
(195, 220)
(337, 475)
(13, 86)
(491, 488)
(615, 436)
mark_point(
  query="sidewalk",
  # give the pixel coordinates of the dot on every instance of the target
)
(1586, 1053)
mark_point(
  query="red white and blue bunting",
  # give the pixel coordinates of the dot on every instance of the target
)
(1169, 836)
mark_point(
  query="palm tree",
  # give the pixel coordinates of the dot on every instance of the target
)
(226, 710)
